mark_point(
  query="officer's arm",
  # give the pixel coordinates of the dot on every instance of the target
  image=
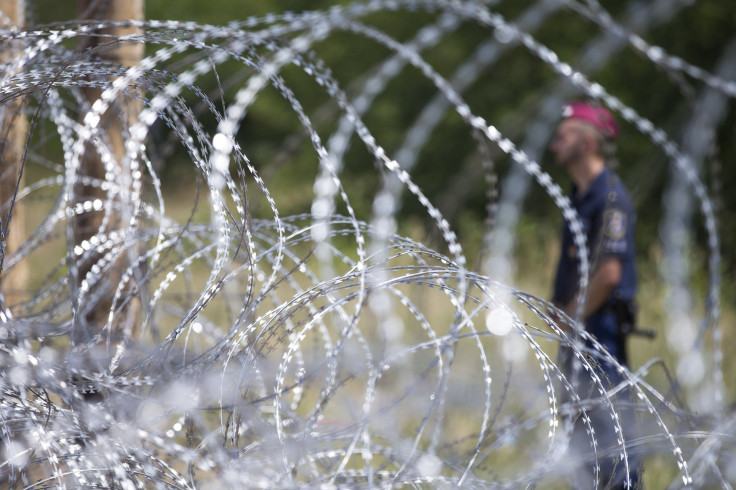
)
(604, 281)
(607, 276)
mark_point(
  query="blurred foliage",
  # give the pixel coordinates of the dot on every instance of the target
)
(507, 95)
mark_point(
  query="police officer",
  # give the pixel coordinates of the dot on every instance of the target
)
(580, 146)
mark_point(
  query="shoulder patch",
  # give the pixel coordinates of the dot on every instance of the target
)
(614, 224)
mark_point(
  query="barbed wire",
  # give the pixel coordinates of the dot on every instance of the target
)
(208, 346)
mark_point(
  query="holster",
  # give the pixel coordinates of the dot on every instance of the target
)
(625, 311)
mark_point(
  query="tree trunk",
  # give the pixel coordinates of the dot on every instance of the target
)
(114, 126)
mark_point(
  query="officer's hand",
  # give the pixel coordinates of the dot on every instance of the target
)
(561, 318)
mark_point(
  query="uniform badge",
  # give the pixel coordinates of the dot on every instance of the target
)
(614, 222)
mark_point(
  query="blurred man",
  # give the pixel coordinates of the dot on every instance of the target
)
(581, 145)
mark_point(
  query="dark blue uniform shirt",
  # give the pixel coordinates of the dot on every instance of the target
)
(607, 216)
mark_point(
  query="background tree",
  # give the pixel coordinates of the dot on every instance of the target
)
(114, 124)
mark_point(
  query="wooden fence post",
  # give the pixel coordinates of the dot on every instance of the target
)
(13, 133)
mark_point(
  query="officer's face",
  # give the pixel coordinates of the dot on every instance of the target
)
(568, 143)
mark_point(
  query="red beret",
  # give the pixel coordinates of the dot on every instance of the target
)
(598, 116)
